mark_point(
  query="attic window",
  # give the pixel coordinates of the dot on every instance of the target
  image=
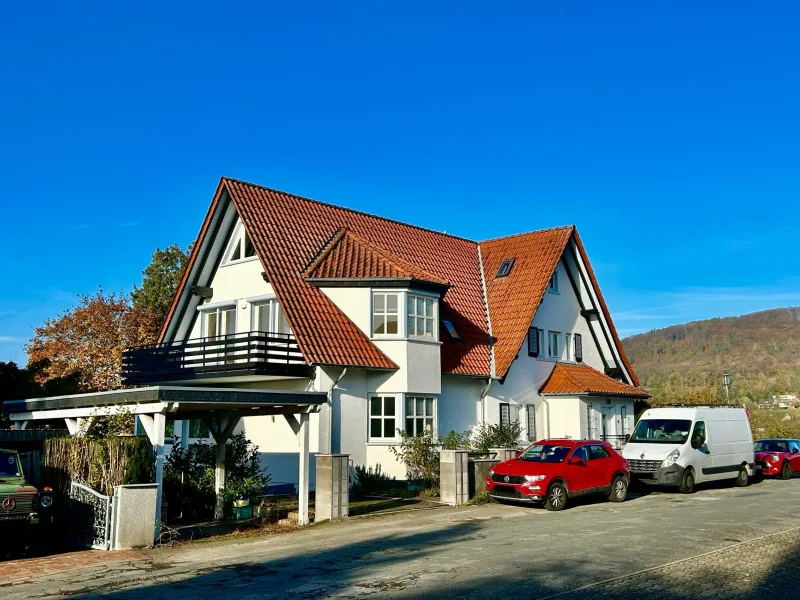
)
(552, 286)
(240, 247)
(505, 268)
(451, 331)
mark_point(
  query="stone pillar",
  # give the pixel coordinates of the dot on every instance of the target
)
(333, 487)
(454, 476)
(134, 515)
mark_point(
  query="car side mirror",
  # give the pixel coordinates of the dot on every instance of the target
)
(697, 443)
(517, 454)
(576, 460)
(794, 450)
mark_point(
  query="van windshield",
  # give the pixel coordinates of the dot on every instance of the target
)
(661, 431)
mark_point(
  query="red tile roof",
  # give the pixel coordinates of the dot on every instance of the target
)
(296, 238)
(513, 300)
(349, 256)
(288, 231)
(582, 379)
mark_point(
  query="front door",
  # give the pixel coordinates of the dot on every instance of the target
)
(607, 426)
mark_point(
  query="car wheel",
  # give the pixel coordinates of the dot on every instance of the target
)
(619, 489)
(556, 497)
(786, 471)
(743, 478)
(687, 483)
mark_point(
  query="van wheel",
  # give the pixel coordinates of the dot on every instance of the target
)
(687, 483)
(619, 489)
(556, 497)
(743, 478)
(786, 471)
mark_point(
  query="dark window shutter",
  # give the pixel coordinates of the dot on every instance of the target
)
(533, 341)
(578, 347)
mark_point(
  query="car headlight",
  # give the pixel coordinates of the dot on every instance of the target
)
(774, 458)
(46, 501)
(491, 472)
(532, 478)
(672, 458)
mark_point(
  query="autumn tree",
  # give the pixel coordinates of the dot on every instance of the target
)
(161, 279)
(20, 384)
(87, 342)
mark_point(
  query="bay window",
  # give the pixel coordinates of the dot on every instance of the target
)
(385, 313)
(419, 414)
(420, 318)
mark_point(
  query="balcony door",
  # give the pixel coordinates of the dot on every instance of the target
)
(268, 320)
(219, 325)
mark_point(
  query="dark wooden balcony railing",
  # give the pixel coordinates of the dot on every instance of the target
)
(251, 353)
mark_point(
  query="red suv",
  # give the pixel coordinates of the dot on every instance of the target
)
(779, 456)
(552, 471)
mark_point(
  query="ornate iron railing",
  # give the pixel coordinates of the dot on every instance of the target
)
(256, 352)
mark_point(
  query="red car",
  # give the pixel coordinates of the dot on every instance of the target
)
(553, 471)
(780, 456)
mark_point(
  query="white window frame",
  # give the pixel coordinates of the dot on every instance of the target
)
(550, 354)
(397, 416)
(216, 308)
(237, 240)
(400, 314)
(433, 318)
(552, 285)
(415, 417)
(275, 314)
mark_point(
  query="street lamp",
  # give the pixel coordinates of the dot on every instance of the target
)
(726, 381)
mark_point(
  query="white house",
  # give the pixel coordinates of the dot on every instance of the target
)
(402, 327)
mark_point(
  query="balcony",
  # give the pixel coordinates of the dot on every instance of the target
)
(246, 356)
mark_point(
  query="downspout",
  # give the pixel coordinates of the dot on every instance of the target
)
(483, 400)
(330, 409)
(547, 413)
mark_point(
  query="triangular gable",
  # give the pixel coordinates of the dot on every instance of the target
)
(348, 256)
(580, 379)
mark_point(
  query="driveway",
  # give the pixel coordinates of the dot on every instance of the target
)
(717, 543)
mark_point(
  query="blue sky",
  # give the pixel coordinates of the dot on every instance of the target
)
(667, 133)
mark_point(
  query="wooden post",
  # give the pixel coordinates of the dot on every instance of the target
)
(221, 430)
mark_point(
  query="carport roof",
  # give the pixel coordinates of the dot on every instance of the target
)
(179, 400)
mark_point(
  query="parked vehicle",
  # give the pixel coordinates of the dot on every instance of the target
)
(779, 456)
(22, 506)
(685, 446)
(553, 471)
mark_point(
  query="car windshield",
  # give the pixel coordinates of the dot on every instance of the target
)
(550, 453)
(771, 446)
(9, 465)
(662, 431)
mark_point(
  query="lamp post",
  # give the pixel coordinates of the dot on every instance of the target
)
(726, 381)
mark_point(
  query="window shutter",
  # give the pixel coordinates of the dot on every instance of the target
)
(578, 347)
(533, 341)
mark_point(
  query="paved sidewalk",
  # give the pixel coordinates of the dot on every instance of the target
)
(493, 551)
(31, 569)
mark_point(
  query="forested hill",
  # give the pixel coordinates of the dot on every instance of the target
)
(684, 362)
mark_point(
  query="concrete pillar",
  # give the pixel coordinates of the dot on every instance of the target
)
(155, 426)
(134, 510)
(302, 491)
(332, 496)
(454, 476)
(221, 429)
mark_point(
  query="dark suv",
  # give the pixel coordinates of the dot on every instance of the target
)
(21, 505)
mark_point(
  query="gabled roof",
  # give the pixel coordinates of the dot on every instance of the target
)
(581, 379)
(513, 300)
(348, 256)
(300, 242)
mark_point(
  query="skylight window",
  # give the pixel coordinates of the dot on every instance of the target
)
(451, 331)
(505, 268)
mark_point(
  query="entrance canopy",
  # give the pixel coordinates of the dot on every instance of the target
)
(220, 408)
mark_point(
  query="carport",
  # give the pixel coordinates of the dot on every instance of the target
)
(220, 408)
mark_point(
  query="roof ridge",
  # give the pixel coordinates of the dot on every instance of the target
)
(352, 210)
(513, 235)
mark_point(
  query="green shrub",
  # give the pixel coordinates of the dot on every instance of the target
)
(420, 455)
(496, 436)
(430, 493)
(371, 482)
(456, 441)
(189, 477)
(480, 498)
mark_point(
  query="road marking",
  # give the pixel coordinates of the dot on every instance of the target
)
(669, 564)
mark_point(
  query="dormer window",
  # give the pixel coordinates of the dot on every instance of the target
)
(552, 286)
(505, 268)
(451, 331)
(241, 247)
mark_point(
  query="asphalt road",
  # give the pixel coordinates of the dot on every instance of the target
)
(718, 543)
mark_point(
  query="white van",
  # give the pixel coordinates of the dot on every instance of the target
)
(688, 445)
